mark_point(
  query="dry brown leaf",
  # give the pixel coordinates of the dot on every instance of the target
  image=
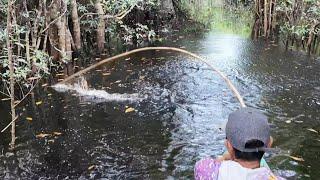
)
(57, 133)
(296, 158)
(38, 103)
(129, 110)
(43, 135)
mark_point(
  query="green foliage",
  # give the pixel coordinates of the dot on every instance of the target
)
(139, 33)
(303, 26)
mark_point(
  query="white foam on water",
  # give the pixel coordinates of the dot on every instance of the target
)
(96, 95)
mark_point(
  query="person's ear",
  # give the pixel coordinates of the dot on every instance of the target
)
(229, 148)
(270, 142)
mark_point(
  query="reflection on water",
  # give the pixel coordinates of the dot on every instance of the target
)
(181, 108)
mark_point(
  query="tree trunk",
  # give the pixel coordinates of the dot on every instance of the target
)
(101, 26)
(265, 16)
(76, 25)
(11, 69)
(61, 26)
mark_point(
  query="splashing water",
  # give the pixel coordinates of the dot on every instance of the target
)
(82, 89)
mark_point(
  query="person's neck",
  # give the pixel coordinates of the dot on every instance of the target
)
(248, 164)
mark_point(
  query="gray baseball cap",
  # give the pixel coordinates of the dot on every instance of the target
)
(248, 124)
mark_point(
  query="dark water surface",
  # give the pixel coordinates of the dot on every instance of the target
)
(181, 108)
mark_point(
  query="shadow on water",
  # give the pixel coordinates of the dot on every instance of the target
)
(180, 108)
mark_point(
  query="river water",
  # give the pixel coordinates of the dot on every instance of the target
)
(176, 112)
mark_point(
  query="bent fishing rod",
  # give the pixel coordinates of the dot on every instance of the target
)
(120, 56)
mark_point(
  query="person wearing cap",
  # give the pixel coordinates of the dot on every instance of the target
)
(247, 139)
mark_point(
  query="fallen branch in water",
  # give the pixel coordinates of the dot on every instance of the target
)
(222, 75)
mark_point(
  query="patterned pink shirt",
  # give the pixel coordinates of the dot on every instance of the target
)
(210, 169)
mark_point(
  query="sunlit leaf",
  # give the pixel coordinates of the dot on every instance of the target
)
(38, 103)
(106, 74)
(5, 99)
(57, 133)
(129, 110)
(91, 167)
(33, 78)
(296, 158)
(312, 130)
(43, 135)
(29, 118)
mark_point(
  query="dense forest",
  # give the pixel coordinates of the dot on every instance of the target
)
(38, 38)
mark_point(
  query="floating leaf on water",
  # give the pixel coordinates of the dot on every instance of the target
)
(60, 74)
(42, 135)
(142, 59)
(51, 141)
(128, 59)
(288, 121)
(44, 85)
(29, 118)
(57, 133)
(118, 81)
(91, 167)
(299, 122)
(106, 74)
(97, 59)
(312, 130)
(296, 158)
(129, 110)
(98, 70)
(38, 103)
